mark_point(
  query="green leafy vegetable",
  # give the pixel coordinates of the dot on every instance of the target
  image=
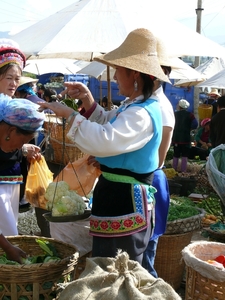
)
(44, 246)
(181, 208)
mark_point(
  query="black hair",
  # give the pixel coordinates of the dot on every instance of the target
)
(41, 86)
(51, 93)
(4, 69)
(148, 85)
(221, 101)
(167, 70)
(105, 99)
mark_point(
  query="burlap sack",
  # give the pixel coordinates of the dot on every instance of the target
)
(117, 279)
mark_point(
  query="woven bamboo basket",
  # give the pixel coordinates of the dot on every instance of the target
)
(185, 225)
(215, 235)
(36, 281)
(203, 281)
(63, 150)
(168, 260)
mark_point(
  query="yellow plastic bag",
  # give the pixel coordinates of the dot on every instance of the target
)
(38, 178)
(79, 175)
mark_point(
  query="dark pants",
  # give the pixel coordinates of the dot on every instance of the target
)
(149, 257)
(181, 150)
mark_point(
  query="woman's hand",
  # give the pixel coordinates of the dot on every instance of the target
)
(58, 108)
(15, 253)
(12, 252)
(32, 152)
(92, 160)
(78, 90)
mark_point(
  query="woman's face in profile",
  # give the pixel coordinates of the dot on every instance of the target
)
(125, 81)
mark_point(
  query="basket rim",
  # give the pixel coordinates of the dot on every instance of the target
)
(46, 264)
(205, 269)
(185, 221)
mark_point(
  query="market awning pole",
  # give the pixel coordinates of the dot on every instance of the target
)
(197, 58)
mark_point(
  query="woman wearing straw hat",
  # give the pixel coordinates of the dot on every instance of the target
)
(125, 142)
(12, 62)
(213, 96)
(19, 122)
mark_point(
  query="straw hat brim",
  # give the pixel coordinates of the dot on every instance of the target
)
(217, 94)
(214, 92)
(138, 52)
(25, 79)
(135, 63)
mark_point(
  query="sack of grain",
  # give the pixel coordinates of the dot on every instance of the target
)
(117, 279)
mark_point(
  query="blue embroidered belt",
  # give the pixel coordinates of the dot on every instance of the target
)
(16, 179)
(143, 201)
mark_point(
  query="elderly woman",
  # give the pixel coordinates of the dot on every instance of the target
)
(19, 122)
(125, 142)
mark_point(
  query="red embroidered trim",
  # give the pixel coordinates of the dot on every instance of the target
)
(105, 226)
(11, 178)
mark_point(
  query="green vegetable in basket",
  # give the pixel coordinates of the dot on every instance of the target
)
(29, 260)
(181, 208)
(5, 261)
(51, 258)
(45, 246)
(1, 287)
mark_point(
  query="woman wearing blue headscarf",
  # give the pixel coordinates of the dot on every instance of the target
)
(19, 121)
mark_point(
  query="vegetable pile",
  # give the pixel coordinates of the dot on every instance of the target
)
(48, 254)
(62, 201)
(181, 208)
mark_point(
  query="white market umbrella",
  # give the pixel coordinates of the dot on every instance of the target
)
(190, 82)
(216, 81)
(211, 67)
(185, 72)
(94, 69)
(51, 65)
(206, 70)
(87, 27)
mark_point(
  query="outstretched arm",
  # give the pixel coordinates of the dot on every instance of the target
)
(12, 252)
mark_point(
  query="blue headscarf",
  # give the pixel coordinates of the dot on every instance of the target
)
(21, 113)
(27, 88)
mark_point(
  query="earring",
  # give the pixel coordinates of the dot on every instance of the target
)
(135, 86)
(7, 138)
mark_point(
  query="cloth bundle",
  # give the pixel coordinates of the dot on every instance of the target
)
(117, 279)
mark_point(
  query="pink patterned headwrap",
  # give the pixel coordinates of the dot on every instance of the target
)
(10, 53)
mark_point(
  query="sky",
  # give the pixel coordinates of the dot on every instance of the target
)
(17, 15)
